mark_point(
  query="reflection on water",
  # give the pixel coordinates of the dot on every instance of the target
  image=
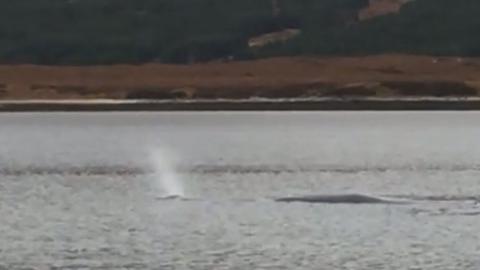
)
(78, 191)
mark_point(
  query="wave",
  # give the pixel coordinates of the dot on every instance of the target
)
(437, 198)
(73, 170)
(221, 169)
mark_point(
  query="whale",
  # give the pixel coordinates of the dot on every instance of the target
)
(339, 199)
(170, 197)
(177, 198)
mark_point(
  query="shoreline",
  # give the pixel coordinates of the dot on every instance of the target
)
(377, 82)
(413, 104)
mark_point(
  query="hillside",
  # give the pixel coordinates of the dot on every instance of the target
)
(179, 31)
(433, 27)
(86, 32)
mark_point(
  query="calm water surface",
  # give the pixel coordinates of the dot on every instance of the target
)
(80, 190)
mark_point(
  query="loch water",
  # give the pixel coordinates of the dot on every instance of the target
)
(81, 190)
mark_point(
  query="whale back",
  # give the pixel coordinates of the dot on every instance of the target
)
(343, 198)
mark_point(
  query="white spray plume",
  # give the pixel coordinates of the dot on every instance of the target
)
(163, 163)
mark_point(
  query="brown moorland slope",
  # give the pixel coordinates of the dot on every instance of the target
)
(377, 8)
(372, 76)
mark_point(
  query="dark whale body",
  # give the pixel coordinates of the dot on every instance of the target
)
(170, 197)
(343, 198)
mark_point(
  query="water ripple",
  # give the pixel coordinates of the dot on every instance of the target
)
(223, 169)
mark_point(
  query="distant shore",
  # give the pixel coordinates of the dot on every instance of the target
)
(241, 105)
(379, 82)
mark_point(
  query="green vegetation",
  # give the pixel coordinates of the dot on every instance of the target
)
(434, 27)
(134, 31)
(184, 31)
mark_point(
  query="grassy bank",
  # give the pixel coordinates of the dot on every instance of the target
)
(385, 76)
